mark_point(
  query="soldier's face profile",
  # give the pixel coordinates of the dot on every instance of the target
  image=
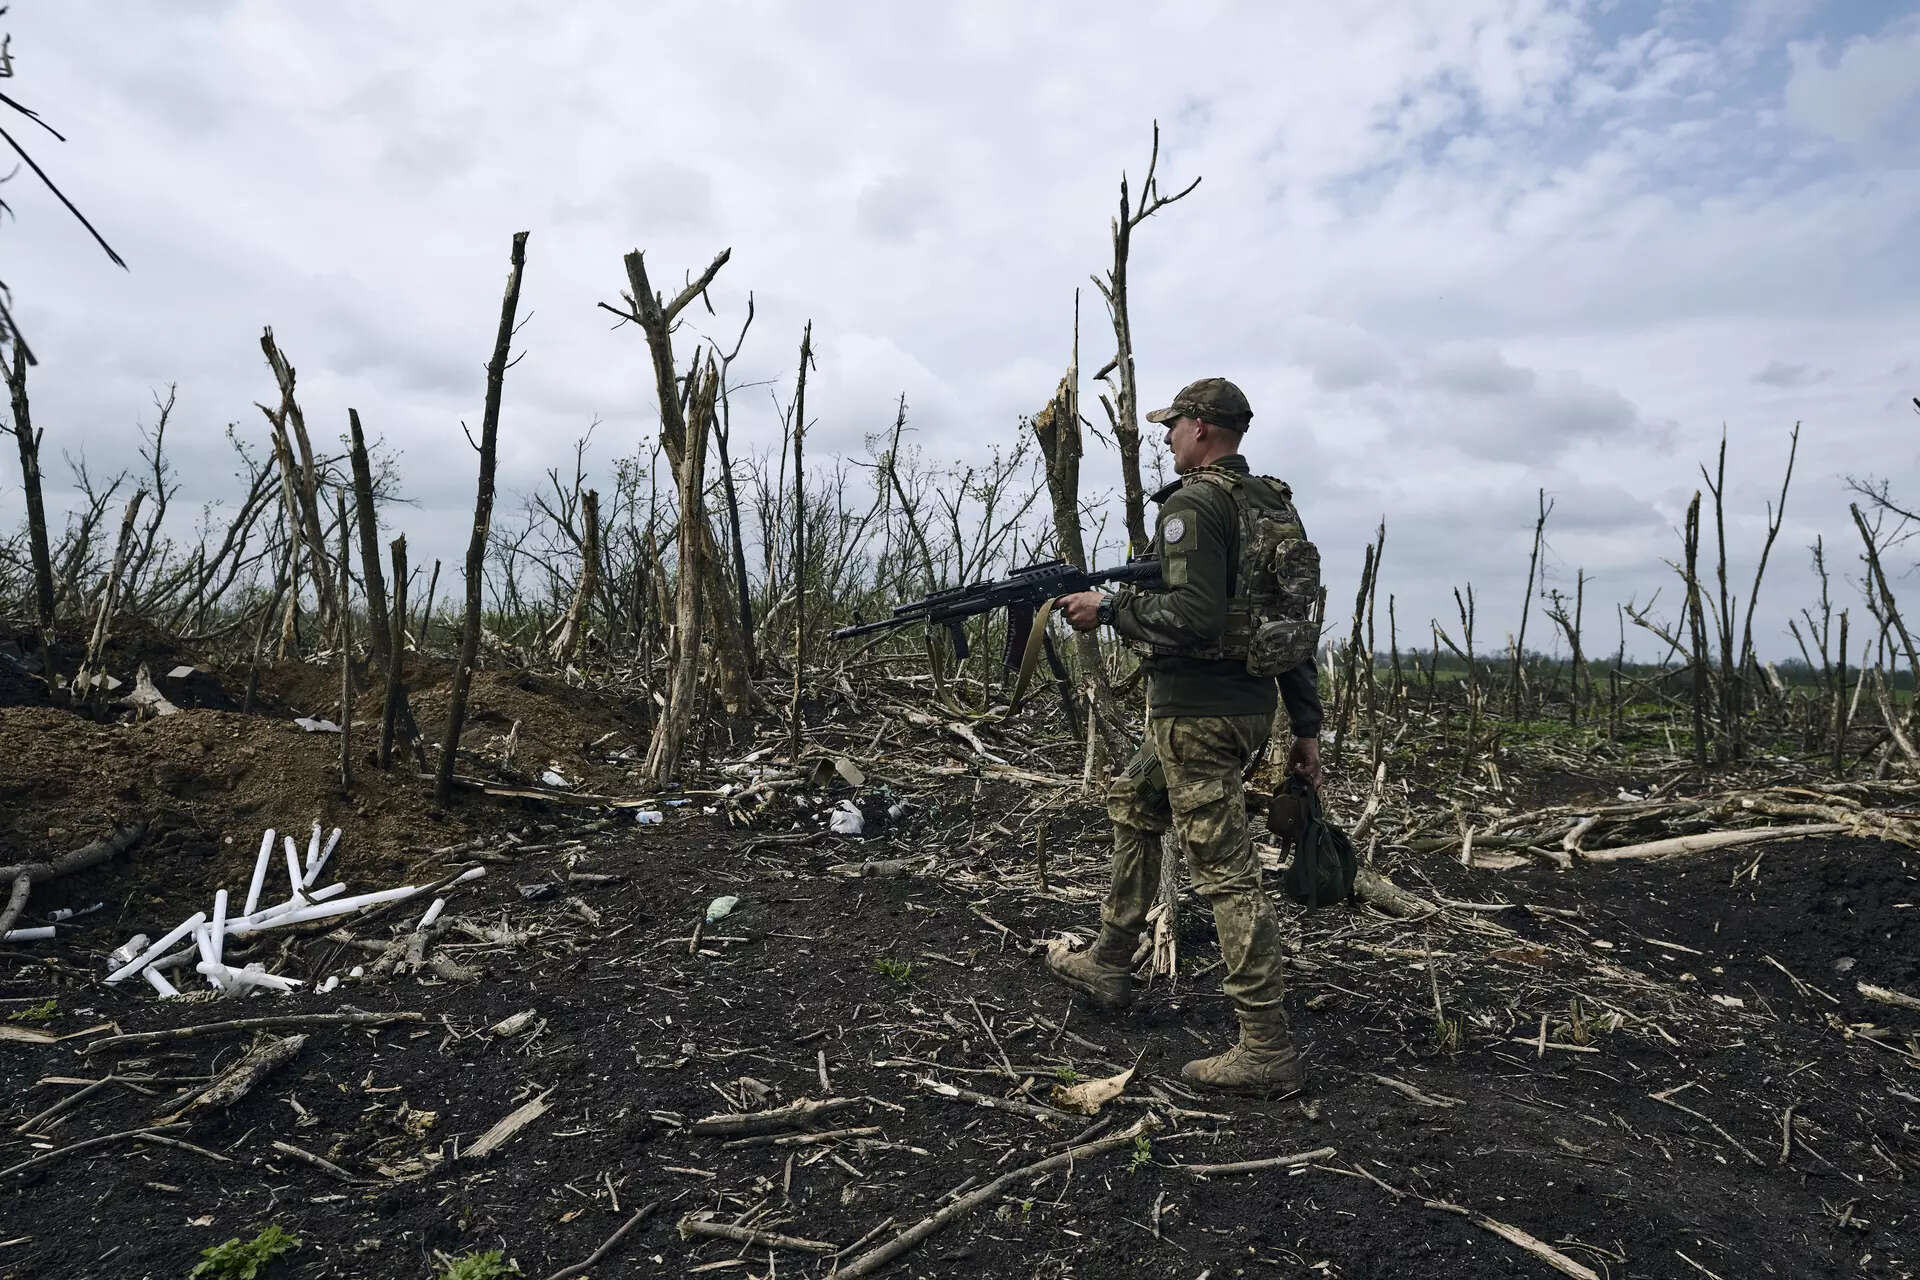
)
(1181, 442)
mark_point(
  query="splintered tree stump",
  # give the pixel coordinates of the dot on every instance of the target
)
(240, 1079)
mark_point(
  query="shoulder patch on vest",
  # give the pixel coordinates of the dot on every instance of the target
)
(1175, 530)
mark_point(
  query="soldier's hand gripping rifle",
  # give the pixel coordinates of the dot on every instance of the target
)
(1020, 594)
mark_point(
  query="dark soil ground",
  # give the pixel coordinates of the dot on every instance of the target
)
(1659, 970)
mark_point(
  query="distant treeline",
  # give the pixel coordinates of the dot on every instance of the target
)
(1794, 672)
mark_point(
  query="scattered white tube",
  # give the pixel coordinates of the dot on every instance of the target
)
(341, 907)
(433, 913)
(294, 874)
(471, 873)
(314, 868)
(358, 971)
(203, 940)
(233, 979)
(159, 948)
(38, 934)
(68, 913)
(259, 873)
(313, 853)
(333, 980)
(159, 983)
(128, 950)
(219, 927)
(269, 915)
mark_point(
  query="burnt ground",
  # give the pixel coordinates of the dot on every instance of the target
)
(1657, 970)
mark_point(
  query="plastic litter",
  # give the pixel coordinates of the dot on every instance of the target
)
(649, 817)
(897, 810)
(553, 778)
(721, 908)
(314, 725)
(846, 819)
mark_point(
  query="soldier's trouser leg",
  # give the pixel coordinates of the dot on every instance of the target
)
(1203, 759)
(1137, 803)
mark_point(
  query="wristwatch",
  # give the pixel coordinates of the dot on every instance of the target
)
(1104, 612)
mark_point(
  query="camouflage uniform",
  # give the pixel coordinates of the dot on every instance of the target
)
(1208, 721)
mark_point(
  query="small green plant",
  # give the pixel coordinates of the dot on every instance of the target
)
(238, 1260)
(1066, 1075)
(490, 1265)
(1142, 1154)
(901, 971)
(46, 1012)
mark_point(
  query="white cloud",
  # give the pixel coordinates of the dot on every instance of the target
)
(1868, 93)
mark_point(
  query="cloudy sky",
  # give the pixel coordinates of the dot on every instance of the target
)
(1454, 251)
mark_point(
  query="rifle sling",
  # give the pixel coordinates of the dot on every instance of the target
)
(1036, 637)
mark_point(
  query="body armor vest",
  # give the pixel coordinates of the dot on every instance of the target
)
(1273, 605)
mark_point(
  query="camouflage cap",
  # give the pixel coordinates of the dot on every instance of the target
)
(1213, 400)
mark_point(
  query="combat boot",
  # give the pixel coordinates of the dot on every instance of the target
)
(1261, 1065)
(1101, 973)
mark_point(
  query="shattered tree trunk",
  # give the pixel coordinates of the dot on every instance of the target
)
(1697, 629)
(799, 542)
(655, 318)
(88, 681)
(566, 633)
(1124, 417)
(346, 650)
(397, 649)
(670, 731)
(1526, 609)
(482, 521)
(29, 442)
(301, 479)
(266, 624)
(375, 588)
(1058, 427)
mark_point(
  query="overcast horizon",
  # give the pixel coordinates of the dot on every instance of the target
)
(1453, 252)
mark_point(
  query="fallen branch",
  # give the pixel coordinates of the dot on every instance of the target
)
(239, 1079)
(748, 1236)
(1513, 1235)
(1254, 1166)
(640, 1215)
(791, 1116)
(1710, 840)
(49, 1157)
(874, 1259)
(199, 1031)
(1027, 1109)
(321, 1163)
(1886, 995)
(514, 1121)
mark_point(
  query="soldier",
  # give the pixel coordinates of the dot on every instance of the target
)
(1207, 722)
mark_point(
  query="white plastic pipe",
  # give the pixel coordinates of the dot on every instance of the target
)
(333, 980)
(433, 913)
(160, 984)
(294, 874)
(219, 926)
(234, 979)
(159, 948)
(128, 950)
(203, 940)
(272, 914)
(313, 852)
(342, 906)
(259, 873)
(38, 934)
(314, 868)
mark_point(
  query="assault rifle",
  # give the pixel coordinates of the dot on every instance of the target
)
(1019, 593)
